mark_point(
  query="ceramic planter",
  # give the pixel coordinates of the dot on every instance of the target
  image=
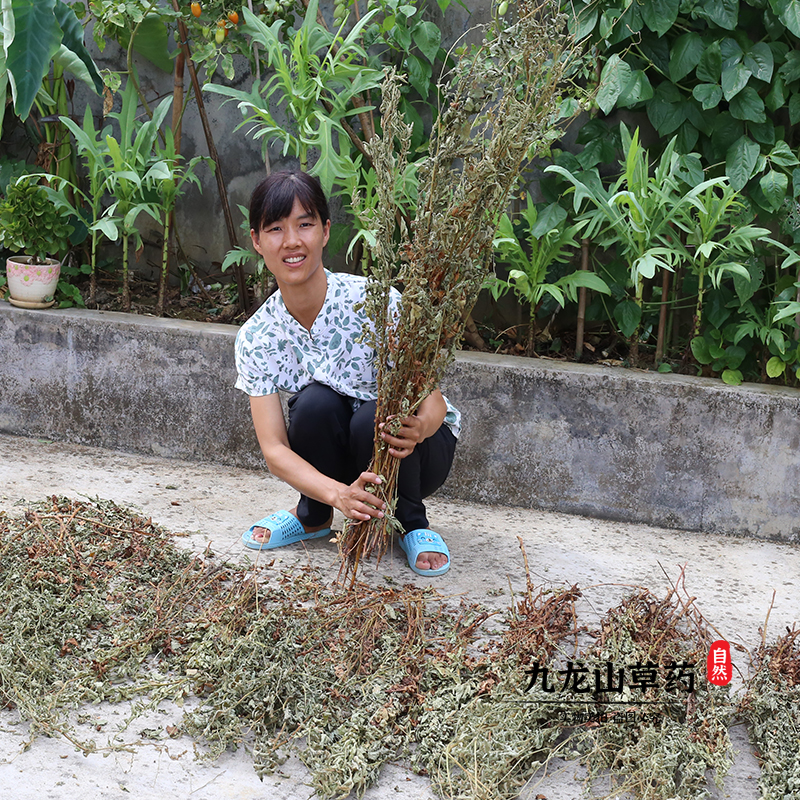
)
(32, 285)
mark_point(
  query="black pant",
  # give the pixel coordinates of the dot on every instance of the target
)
(326, 432)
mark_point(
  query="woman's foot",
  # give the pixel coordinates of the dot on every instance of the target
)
(262, 535)
(426, 551)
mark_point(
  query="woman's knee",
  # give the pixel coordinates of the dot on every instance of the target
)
(317, 410)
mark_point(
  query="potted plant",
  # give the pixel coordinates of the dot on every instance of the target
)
(32, 224)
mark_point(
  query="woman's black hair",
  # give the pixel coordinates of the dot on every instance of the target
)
(274, 197)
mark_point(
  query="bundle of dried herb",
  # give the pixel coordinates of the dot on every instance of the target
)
(503, 104)
(770, 706)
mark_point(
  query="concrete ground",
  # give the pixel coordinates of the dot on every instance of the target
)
(739, 584)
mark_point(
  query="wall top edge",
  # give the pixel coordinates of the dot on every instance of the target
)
(516, 364)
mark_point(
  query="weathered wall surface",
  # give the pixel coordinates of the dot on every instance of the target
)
(670, 450)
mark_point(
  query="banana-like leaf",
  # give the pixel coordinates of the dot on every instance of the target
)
(37, 38)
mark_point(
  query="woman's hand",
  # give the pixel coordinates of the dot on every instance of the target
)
(355, 502)
(409, 435)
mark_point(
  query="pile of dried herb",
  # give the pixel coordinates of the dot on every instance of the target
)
(98, 603)
(502, 105)
(680, 734)
(771, 707)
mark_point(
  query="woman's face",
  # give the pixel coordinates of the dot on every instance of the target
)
(292, 247)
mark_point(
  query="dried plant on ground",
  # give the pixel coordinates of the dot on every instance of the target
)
(771, 707)
(502, 106)
(677, 735)
(99, 604)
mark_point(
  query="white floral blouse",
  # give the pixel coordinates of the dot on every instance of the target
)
(274, 352)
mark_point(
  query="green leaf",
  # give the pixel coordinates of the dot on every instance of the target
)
(614, 78)
(724, 13)
(549, 219)
(747, 105)
(665, 110)
(151, 42)
(707, 94)
(628, 316)
(776, 97)
(709, 68)
(774, 185)
(783, 155)
(759, 60)
(732, 377)
(775, 367)
(664, 367)
(700, 350)
(37, 38)
(583, 23)
(637, 90)
(740, 161)
(419, 75)
(341, 233)
(685, 55)
(790, 16)
(428, 37)
(659, 15)
(76, 54)
(734, 79)
(794, 109)
(790, 70)
(747, 287)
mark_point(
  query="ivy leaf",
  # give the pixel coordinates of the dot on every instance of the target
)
(637, 90)
(707, 94)
(660, 15)
(748, 105)
(774, 185)
(614, 78)
(740, 161)
(709, 68)
(734, 79)
(724, 13)
(732, 377)
(583, 23)
(791, 67)
(687, 137)
(664, 109)
(747, 287)
(794, 109)
(428, 37)
(789, 15)
(776, 98)
(782, 155)
(419, 75)
(628, 316)
(685, 55)
(758, 59)
(549, 219)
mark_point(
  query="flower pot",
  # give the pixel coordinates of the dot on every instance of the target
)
(32, 285)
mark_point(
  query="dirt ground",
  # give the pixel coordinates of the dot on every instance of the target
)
(738, 582)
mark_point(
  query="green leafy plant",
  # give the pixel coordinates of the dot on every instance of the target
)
(722, 77)
(316, 76)
(540, 240)
(134, 172)
(31, 224)
(169, 175)
(35, 33)
(636, 216)
(88, 196)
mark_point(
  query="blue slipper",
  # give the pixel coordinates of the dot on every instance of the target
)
(284, 528)
(423, 540)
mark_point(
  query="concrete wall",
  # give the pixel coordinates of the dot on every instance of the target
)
(664, 449)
